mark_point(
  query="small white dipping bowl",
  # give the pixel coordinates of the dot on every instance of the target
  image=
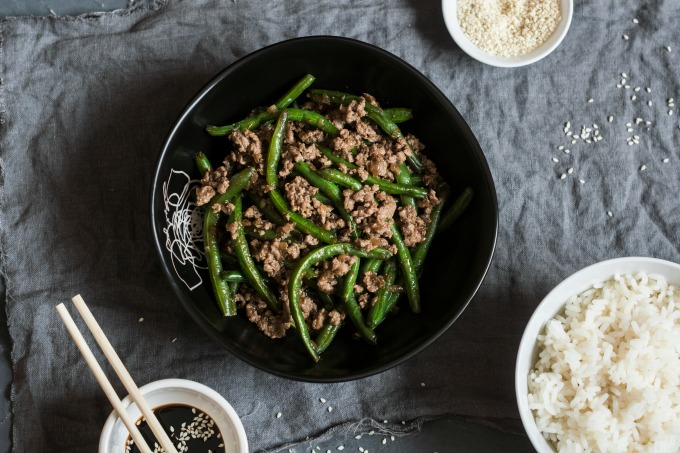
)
(552, 304)
(451, 19)
(178, 391)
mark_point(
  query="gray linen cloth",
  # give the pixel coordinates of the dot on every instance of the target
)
(86, 103)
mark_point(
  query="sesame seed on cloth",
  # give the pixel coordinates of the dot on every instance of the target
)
(508, 27)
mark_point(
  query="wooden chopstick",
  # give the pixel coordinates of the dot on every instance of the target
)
(101, 378)
(124, 375)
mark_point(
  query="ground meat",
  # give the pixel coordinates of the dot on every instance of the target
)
(373, 282)
(311, 136)
(334, 317)
(372, 209)
(257, 311)
(427, 204)
(204, 194)
(353, 111)
(413, 228)
(367, 131)
(365, 300)
(345, 142)
(213, 182)
(273, 254)
(337, 267)
(300, 196)
(249, 149)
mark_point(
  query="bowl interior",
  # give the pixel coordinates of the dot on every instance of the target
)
(458, 260)
(449, 9)
(554, 303)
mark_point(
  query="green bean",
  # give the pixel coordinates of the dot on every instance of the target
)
(341, 179)
(269, 212)
(246, 260)
(296, 91)
(313, 119)
(302, 223)
(404, 177)
(421, 249)
(372, 265)
(234, 287)
(202, 163)
(233, 277)
(275, 147)
(322, 198)
(459, 206)
(255, 121)
(352, 307)
(296, 277)
(392, 188)
(212, 252)
(416, 180)
(327, 300)
(332, 191)
(399, 115)
(326, 336)
(337, 160)
(377, 311)
(390, 301)
(374, 113)
(249, 123)
(408, 271)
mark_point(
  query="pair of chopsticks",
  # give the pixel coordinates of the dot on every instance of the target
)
(120, 370)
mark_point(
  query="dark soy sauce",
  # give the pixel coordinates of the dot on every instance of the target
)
(191, 430)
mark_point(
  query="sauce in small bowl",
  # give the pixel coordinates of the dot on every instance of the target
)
(188, 411)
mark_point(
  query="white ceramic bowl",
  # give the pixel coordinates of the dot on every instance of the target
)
(178, 391)
(552, 304)
(451, 19)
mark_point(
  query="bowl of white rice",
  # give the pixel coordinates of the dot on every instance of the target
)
(508, 33)
(598, 368)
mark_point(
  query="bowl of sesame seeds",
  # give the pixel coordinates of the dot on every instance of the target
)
(196, 418)
(508, 33)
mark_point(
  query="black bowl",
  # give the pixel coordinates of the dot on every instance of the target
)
(457, 262)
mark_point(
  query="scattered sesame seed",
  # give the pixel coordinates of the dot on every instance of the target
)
(609, 213)
(174, 339)
(371, 432)
(422, 384)
(649, 103)
(570, 170)
(668, 48)
(618, 85)
(330, 408)
(562, 176)
(610, 119)
(623, 74)
(357, 437)
(582, 181)
(384, 441)
(278, 415)
(361, 449)
(403, 422)
(643, 167)
(566, 151)
(323, 400)
(629, 124)
(341, 447)
(392, 438)
(636, 89)
(625, 37)
(635, 21)
(649, 90)
(141, 319)
(627, 87)
(665, 160)
(590, 101)
(573, 142)
(633, 97)
(670, 112)
(555, 159)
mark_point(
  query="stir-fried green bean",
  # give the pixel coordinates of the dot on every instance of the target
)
(302, 223)
(202, 163)
(378, 310)
(389, 187)
(275, 147)
(459, 206)
(399, 114)
(408, 271)
(352, 307)
(297, 89)
(420, 252)
(246, 260)
(325, 336)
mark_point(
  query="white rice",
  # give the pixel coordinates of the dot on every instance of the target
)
(608, 374)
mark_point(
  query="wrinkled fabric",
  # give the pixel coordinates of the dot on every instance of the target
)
(85, 106)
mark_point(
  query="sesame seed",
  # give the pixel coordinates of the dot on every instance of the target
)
(341, 447)
(330, 408)
(643, 167)
(627, 87)
(141, 319)
(323, 400)
(582, 181)
(570, 170)
(618, 85)
(668, 48)
(566, 151)
(629, 124)
(610, 119)
(403, 422)
(555, 159)
(670, 112)
(392, 438)
(560, 147)
(422, 384)
(609, 213)
(649, 103)
(562, 176)
(361, 449)
(636, 89)
(649, 90)
(357, 437)
(174, 339)
(590, 100)
(633, 97)
(384, 441)
(278, 415)
(630, 129)
(665, 161)
(623, 74)
(371, 432)
(635, 21)
(625, 37)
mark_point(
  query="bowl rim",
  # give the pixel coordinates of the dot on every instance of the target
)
(582, 279)
(449, 11)
(478, 155)
(184, 384)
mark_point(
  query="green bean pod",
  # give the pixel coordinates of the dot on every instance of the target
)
(275, 148)
(371, 265)
(392, 188)
(246, 261)
(302, 223)
(325, 337)
(421, 249)
(297, 89)
(352, 307)
(408, 271)
(459, 206)
(233, 277)
(341, 179)
(212, 251)
(399, 114)
(404, 177)
(378, 310)
(296, 278)
(202, 163)
(313, 119)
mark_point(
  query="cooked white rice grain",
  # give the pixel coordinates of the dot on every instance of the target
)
(608, 374)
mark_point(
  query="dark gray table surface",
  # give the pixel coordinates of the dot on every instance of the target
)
(446, 434)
